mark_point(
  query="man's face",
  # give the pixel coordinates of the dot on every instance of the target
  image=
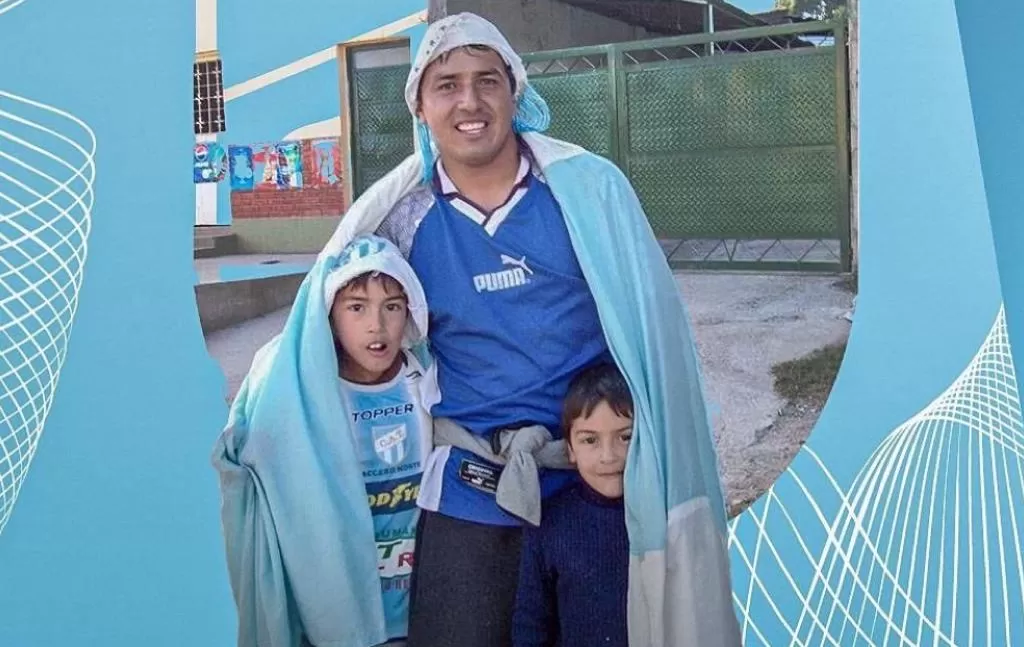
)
(466, 100)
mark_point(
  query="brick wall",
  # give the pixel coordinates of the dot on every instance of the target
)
(316, 198)
(326, 201)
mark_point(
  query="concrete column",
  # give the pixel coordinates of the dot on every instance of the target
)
(854, 65)
(206, 44)
(206, 25)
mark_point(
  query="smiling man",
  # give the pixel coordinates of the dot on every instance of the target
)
(513, 320)
(537, 262)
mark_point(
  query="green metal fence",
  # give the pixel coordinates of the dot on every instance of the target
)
(380, 123)
(736, 142)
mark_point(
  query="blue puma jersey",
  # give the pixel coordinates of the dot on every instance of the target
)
(512, 321)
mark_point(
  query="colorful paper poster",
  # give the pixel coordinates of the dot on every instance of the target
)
(327, 162)
(289, 166)
(241, 168)
(209, 163)
(264, 166)
(277, 165)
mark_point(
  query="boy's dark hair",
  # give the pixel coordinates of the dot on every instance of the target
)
(387, 282)
(592, 386)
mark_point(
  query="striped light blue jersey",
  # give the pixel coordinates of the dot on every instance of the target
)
(512, 321)
(393, 436)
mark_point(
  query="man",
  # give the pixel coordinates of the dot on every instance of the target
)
(513, 319)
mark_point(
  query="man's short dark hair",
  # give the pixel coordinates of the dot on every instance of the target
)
(596, 384)
(471, 50)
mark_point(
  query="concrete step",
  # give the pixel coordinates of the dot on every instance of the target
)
(225, 304)
(209, 241)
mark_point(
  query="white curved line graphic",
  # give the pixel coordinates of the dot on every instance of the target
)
(923, 548)
(47, 171)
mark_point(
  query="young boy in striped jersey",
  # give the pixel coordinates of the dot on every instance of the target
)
(374, 306)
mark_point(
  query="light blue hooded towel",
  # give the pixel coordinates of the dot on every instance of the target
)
(299, 538)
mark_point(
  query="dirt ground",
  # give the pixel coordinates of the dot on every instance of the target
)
(745, 324)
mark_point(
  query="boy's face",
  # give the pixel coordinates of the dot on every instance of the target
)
(598, 444)
(466, 100)
(369, 322)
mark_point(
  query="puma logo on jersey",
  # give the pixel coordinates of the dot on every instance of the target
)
(517, 262)
(513, 277)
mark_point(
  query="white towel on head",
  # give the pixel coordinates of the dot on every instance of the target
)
(460, 30)
(452, 33)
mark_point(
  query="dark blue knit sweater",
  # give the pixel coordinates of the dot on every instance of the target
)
(574, 572)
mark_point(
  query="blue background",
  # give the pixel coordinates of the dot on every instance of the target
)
(995, 67)
(930, 291)
(115, 539)
(929, 286)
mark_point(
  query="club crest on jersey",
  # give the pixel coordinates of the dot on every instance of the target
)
(516, 274)
(389, 443)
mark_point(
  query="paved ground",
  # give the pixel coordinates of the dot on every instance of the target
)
(744, 325)
(233, 348)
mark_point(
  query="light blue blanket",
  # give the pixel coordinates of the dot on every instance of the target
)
(297, 527)
(680, 593)
(679, 589)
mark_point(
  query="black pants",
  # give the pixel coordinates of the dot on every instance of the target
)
(463, 584)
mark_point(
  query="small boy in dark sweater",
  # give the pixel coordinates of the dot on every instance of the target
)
(574, 569)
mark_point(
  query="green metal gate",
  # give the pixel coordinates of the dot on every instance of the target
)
(379, 121)
(736, 142)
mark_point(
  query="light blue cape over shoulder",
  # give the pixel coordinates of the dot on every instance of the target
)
(679, 583)
(301, 552)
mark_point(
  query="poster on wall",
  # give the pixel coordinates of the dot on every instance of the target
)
(289, 166)
(327, 162)
(277, 165)
(209, 163)
(241, 168)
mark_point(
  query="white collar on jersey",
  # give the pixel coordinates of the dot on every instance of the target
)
(489, 220)
(448, 187)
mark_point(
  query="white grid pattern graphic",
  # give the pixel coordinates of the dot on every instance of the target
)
(46, 197)
(924, 548)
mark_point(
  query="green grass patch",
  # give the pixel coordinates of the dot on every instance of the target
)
(809, 378)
